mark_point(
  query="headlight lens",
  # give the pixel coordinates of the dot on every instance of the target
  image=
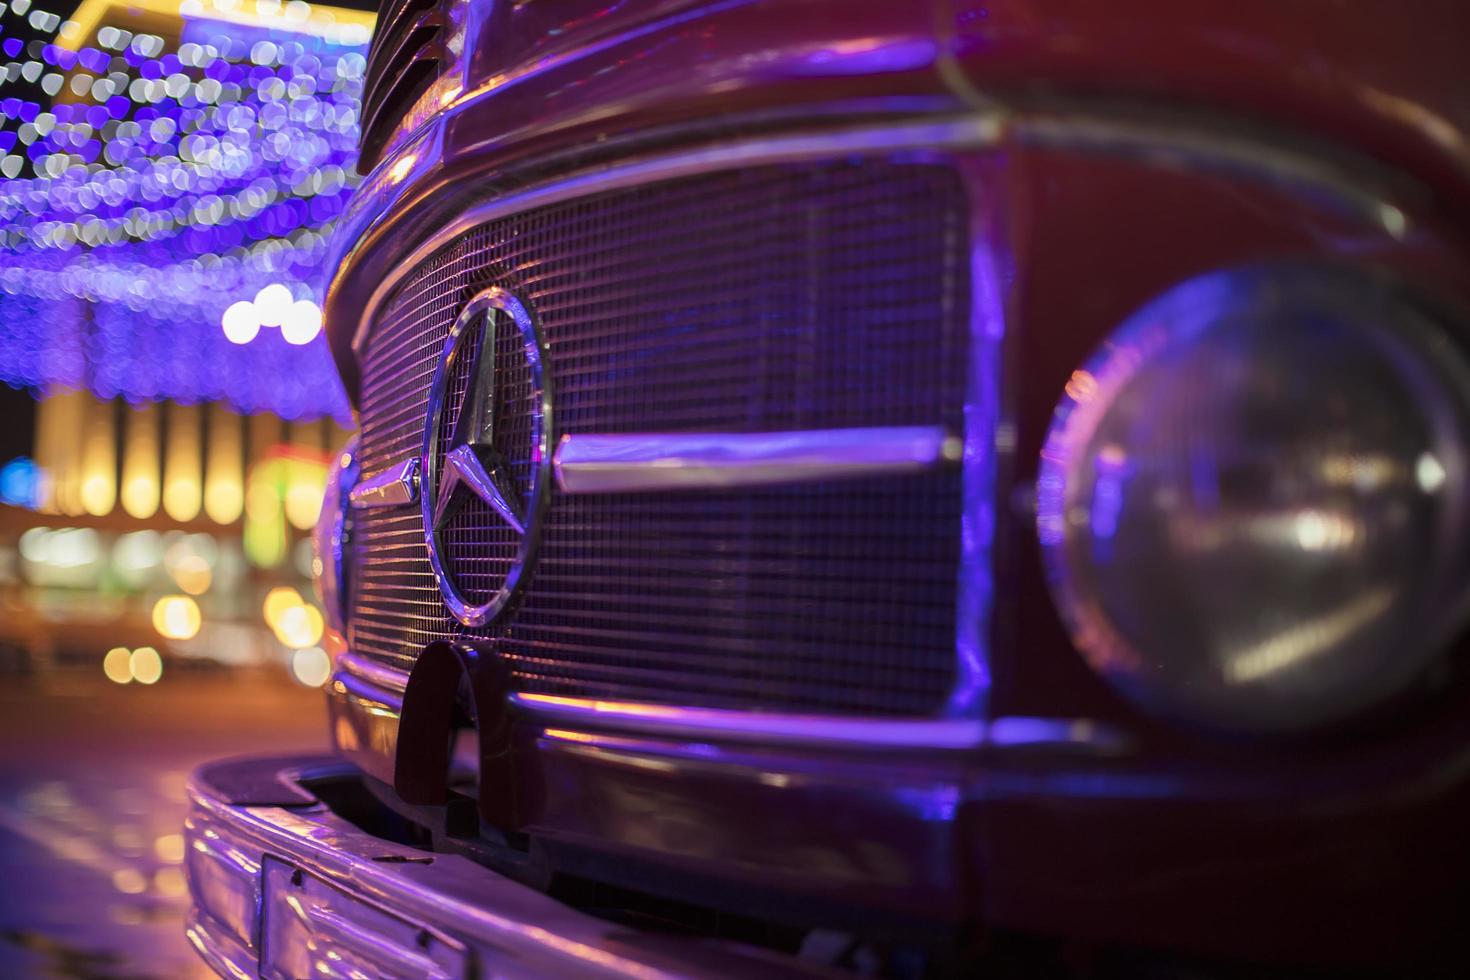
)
(1252, 501)
(331, 535)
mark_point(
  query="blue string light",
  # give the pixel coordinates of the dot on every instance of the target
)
(151, 186)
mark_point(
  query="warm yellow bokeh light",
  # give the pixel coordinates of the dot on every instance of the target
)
(129, 881)
(146, 665)
(98, 494)
(176, 617)
(224, 474)
(300, 626)
(304, 504)
(181, 499)
(140, 496)
(169, 882)
(115, 665)
(99, 459)
(193, 574)
(169, 848)
(183, 479)
(277, 601)
(140, 484)
(223, 501)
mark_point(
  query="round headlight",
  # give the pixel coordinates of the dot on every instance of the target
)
(1252, 502)
(331, 536)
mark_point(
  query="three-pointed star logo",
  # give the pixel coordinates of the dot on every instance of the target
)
(471, 464)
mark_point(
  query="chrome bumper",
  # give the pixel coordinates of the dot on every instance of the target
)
(281, 886)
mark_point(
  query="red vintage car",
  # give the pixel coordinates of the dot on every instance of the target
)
(923, 489)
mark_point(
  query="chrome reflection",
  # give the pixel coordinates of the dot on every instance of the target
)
(644, 462)
(364, 682)
(1316, 636)
(766, 727)
(395, 486)
(333, 534)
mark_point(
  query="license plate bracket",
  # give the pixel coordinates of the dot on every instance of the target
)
(312, 927)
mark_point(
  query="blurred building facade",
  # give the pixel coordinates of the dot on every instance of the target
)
(171, 173)
(162, 526)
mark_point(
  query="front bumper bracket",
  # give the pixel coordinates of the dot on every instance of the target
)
(282, 886)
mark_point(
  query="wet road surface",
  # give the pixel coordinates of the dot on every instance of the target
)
(91, 810)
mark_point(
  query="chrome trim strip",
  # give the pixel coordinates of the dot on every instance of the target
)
(744, 726)
(951, 133)
(1246, 156)
(641, 462)
(346, 681)
(333, 533)
(395, 486)
(782, 729)
(386, 678)
(984, 452)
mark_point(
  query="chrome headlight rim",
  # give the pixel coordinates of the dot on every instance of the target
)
(1422, 340)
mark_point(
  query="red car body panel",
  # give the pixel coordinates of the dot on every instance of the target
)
(1335, 130)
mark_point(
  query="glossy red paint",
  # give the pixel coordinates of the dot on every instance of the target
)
(1385, 79)
(1341, 850)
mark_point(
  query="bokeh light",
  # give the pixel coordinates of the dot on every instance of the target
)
(19, 482)
(145, 665)
(177, 617)
(116, 665)
(240, 323)
(311, 666)
(277, 601)
(300, 626)
(302, 322)
(193, 574)
(272, 305)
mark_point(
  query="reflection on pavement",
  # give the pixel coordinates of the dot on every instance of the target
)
(92, 798)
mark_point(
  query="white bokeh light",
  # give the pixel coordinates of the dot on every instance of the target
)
(311, 666)
(273, 305)
(303, 321)
(240, 322)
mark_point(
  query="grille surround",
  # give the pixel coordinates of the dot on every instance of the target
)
(407, 54)
(851, 607)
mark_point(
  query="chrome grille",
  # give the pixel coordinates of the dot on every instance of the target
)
(778, 297)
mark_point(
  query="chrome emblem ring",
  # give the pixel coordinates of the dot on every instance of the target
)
(476, 448)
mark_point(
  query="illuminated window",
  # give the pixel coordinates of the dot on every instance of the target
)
(140, 461)
(182, 481)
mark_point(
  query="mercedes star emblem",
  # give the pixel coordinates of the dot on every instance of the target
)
(475, 452)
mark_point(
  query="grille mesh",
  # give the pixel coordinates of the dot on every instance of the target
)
(783, 297)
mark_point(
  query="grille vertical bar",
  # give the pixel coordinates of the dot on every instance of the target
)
(778, 297)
